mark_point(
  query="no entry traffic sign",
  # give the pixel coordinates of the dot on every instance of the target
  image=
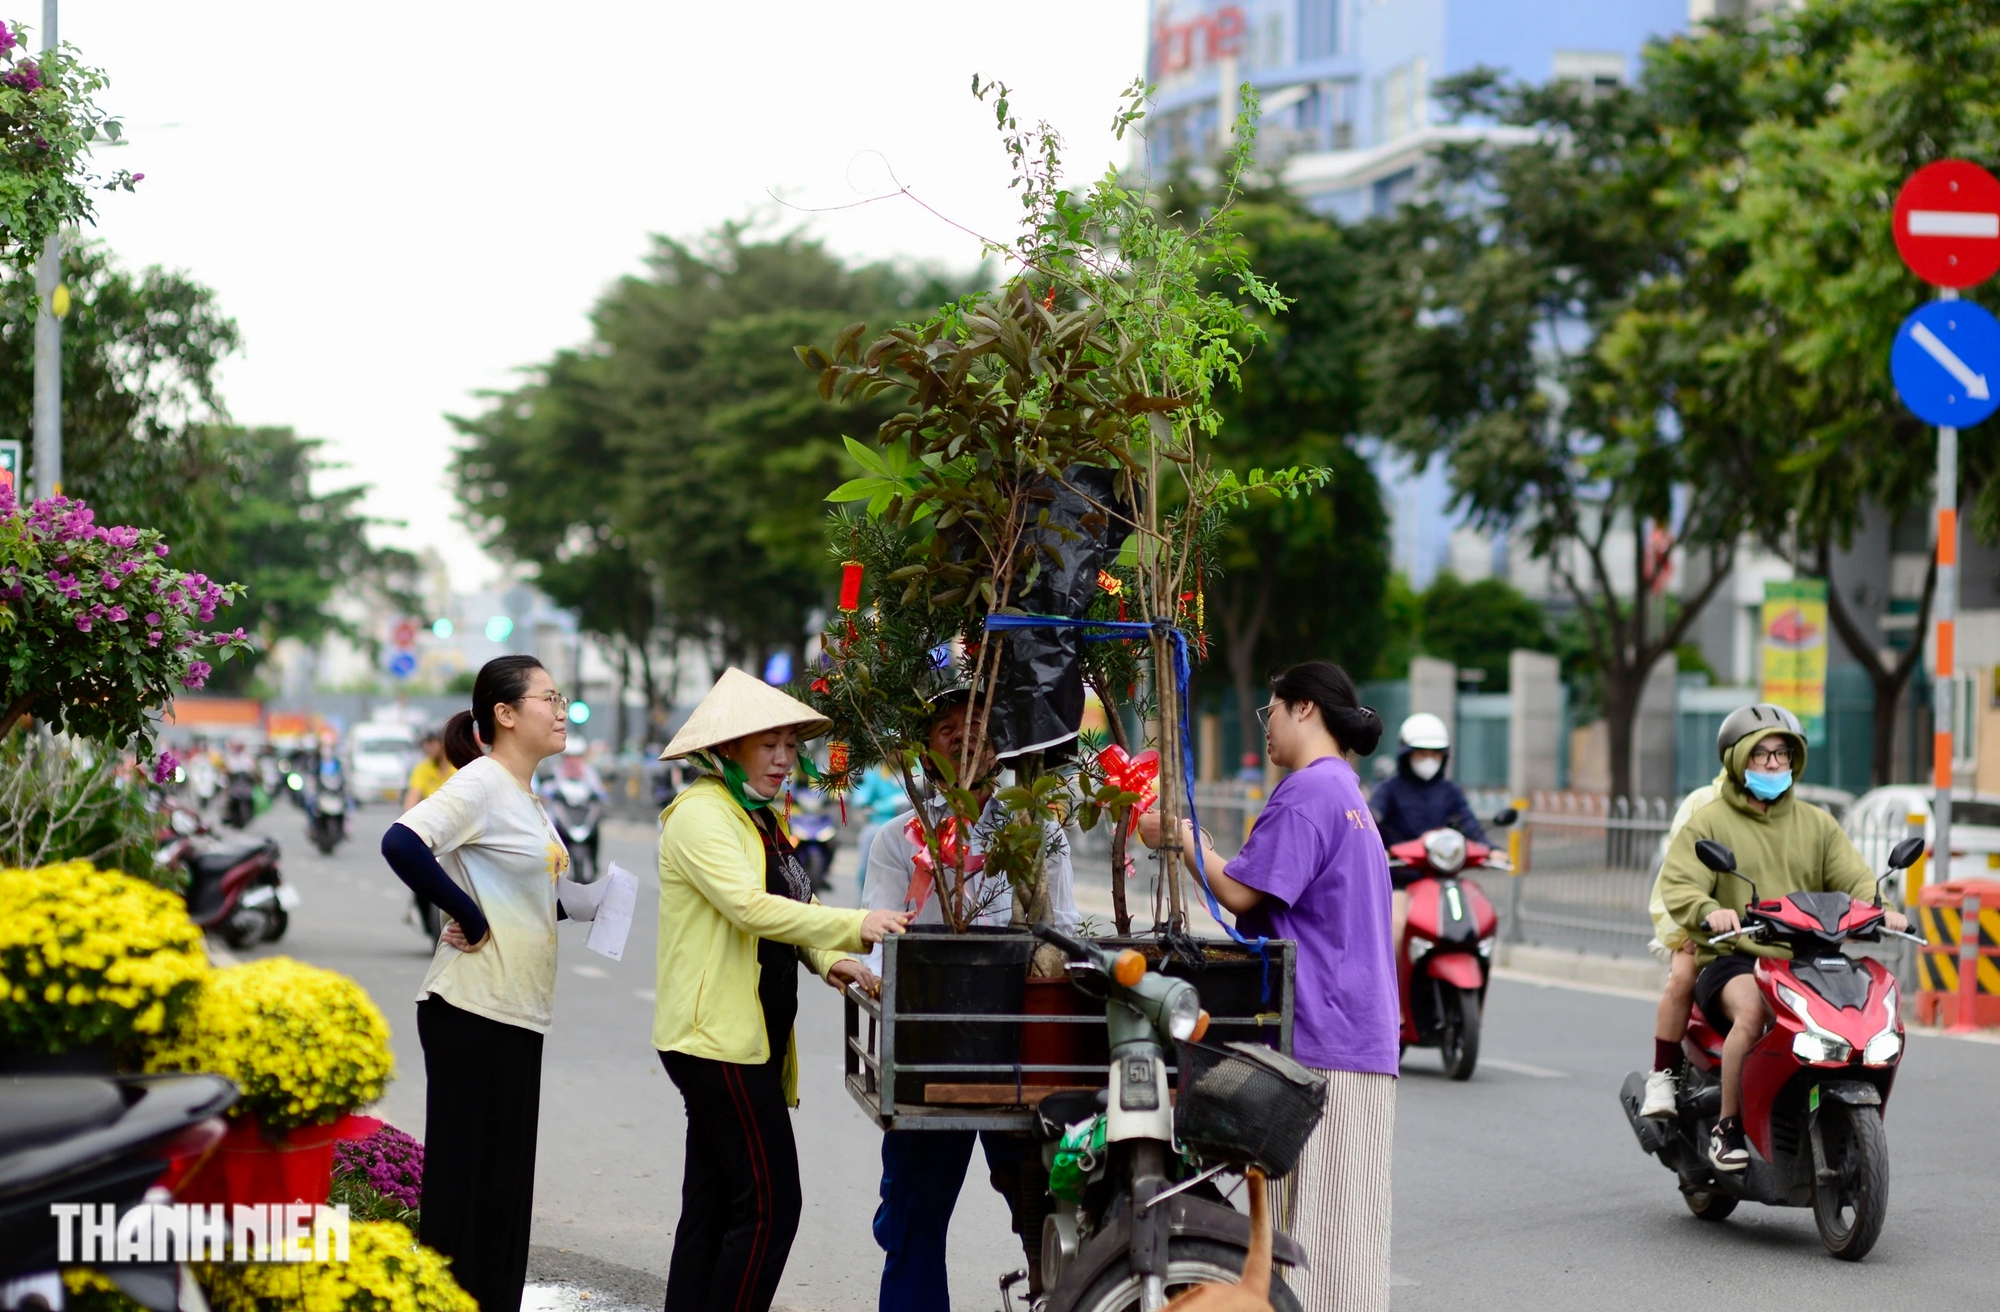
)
(1946, 362)
(1948, 223)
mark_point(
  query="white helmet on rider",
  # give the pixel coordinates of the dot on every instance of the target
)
(1425, 732)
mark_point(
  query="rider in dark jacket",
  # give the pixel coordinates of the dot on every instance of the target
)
(1418, 798)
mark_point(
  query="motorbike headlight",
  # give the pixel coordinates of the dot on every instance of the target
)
(1816, 1042)
(1183, 1014)
(294, 782)
(1420, 944)
(1883, 1048)
(1887, 1045)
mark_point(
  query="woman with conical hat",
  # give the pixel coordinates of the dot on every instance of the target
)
(737, 916)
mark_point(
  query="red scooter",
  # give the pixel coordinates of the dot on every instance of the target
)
(233, 886)
(1814, 1087)
(1446, 956)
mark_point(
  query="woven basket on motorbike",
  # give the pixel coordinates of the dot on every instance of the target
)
(1245, 1104)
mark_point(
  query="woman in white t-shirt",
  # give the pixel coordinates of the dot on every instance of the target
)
(482, 849)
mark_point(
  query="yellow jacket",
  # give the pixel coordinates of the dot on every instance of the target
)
(713, 909)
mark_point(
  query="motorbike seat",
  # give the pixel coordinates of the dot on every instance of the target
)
(227, 855)
(43, 1109)
(1057, 1112)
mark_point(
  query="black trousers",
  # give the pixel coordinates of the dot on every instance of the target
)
(482, 1102)
(740, 1196)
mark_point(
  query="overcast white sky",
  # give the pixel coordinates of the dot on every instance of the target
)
(402, 204)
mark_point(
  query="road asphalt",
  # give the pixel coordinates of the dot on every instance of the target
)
(1523, 1188)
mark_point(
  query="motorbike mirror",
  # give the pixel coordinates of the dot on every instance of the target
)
(1715, 856)
(1906, 853)
(183, 823)
(1507, 815)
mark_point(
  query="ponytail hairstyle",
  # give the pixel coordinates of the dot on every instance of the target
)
(502, 679)
(1355, 727)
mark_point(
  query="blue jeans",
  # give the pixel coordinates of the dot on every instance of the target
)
(922, 1171)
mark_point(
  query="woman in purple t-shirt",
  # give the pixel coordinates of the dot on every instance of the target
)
(1314, 871)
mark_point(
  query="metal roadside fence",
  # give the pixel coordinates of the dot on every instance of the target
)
(1585, 870)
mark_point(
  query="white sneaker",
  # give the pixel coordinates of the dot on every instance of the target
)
(1659, 1104)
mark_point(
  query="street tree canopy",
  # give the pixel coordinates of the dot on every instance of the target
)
(666, 479)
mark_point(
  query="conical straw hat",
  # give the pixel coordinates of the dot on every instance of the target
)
(742, 704)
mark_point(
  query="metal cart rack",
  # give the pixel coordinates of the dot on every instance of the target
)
(872, 1068)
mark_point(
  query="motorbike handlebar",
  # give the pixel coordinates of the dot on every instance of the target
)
(1917, 939)
(1734, 933)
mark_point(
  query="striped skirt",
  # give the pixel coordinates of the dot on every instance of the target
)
(1336, 1203)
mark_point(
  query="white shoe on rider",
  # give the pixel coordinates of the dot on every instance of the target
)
(1659, 1104)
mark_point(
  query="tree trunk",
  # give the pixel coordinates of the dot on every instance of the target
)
(1240, 636)
(1888, 683)
(1621, 708)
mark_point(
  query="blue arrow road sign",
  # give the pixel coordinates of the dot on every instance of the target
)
(402, 665)
(1946, 363)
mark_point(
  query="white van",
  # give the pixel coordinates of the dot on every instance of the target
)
(381, 755)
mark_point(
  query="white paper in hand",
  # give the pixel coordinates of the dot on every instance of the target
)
(614, 913)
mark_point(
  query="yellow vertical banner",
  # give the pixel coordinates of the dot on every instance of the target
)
(1794, 639)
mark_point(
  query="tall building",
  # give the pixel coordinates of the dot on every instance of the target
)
(1346, 86)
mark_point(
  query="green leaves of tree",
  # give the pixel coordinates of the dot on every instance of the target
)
(891, 476)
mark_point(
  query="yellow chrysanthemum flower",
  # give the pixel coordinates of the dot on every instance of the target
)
(106, 957)
(304, 1045)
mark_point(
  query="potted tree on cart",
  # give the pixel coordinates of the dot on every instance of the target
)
(1037, 515)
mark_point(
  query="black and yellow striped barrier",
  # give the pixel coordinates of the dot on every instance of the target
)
(1961, 923)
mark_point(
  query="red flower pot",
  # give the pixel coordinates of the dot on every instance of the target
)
(253, 1166)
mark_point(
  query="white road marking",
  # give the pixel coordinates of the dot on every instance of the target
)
(1523, 1068)
(1974, 384)
(644, 995)
(1953, 223)
(588, 972)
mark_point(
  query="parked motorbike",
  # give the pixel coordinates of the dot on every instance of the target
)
(578, 813)
(816, 834)
(1814, 1087)
(1445, 959)
(124, 1141)
(1147, 1225)
(233, 885)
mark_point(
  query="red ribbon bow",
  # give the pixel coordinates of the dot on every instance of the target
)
(923, 874)
(1131, 774)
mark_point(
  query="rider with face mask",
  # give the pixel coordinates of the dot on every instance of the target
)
(1417, 799)
(1785, 846)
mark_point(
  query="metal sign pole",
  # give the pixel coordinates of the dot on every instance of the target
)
(1945, 648)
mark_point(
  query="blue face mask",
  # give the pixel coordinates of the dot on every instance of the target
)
(1767, 787)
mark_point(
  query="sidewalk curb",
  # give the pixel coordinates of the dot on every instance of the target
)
(1575, 966)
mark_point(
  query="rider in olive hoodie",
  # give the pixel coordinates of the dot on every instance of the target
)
(1791, 847)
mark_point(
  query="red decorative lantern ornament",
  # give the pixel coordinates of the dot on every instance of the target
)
(850, 586)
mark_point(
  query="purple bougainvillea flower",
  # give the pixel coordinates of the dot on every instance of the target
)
(83, 624)
(163, 769)
(152, 617)
(197, 674)
(159, 548)
(153, 638)
(108, 580)
(116, 615)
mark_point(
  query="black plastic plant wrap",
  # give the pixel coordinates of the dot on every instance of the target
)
(1039, 702)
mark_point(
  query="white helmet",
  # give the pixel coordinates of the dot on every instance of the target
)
(1424, 732)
